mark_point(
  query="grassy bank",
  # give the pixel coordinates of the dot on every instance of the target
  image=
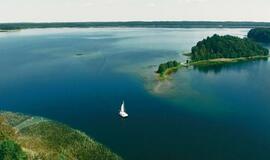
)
(211, 62)
(220, 61)
(44, 139)
(168, 72)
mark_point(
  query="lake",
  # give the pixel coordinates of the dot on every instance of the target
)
(81, 76)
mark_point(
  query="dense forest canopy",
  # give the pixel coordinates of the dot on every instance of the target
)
(226, 47)
(260, 34)
(10, 150)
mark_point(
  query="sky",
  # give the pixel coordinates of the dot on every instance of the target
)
(133, 10)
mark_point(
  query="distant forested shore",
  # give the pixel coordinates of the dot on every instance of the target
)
(260, 35)
(143, 24)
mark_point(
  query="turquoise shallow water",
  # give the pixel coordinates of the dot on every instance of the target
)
(80, 76)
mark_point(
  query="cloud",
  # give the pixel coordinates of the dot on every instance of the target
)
(88, 4)
(192, 1)
(151, 5)
(133, 10)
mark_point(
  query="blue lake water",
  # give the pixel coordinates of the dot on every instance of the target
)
(81, 76)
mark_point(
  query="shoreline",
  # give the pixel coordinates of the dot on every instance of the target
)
(210, 62)
(6, 31)
(220, 61)
(166, 74)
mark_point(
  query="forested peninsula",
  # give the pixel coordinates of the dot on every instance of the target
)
(218, 50)
(226, 47)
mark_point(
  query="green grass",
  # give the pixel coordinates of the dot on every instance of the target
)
(211, 62)
(221, 61)
(10, 150)
(168, 72)
(45, 139)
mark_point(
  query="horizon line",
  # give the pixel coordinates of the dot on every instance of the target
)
(145, 21)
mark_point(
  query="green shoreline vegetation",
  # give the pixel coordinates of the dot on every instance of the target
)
(220, 61)
(167, 68)
(5, 30)
(217, 50)
(25, 137)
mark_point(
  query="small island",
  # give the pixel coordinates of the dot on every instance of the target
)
(260, 35)
(217, 50)
(165, 69)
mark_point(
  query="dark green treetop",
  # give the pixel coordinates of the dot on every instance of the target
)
(226, 47)
(260, 35)
(164, 66)
(9, 150)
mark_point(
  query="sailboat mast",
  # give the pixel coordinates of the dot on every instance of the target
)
(123, 107)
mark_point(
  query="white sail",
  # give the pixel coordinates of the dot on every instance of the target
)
(123, 107)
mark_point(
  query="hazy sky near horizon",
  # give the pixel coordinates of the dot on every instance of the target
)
(133, 10)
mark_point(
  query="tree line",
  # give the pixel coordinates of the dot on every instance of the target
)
(226, 47)
(260, 34)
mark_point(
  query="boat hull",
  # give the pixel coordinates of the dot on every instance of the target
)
(123, 114)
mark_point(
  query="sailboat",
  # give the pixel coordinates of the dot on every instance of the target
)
(122, 112)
